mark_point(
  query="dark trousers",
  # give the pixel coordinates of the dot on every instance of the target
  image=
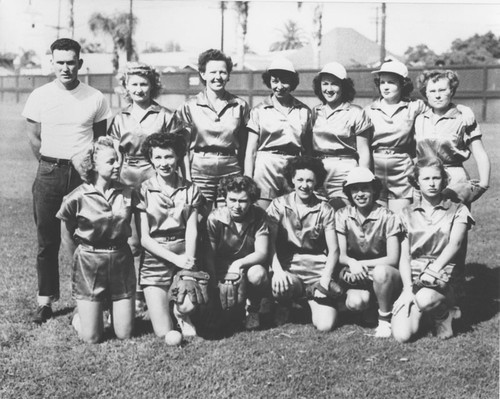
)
(53, 181)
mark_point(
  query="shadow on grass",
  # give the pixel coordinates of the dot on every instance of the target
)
(482, 297)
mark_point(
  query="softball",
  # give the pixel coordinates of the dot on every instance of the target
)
(173, 338)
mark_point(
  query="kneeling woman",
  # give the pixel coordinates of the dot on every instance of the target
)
(369, 239)
(304, 244)
(432, 261)
(168, 226)
(95, 227)
(239, 240)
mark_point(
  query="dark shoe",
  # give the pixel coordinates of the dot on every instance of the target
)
(42, 314)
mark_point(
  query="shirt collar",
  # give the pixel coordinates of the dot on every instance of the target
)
(444, 204)
(373, 215)
(376, 104)
(327, 111)
(313, 206)
(224, 216)
(153, 185)
(452, 113)
(153, 107)
(90, 189)
(268, 102)
(202, 99)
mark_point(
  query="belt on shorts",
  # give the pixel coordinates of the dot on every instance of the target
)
(215, 151)
(290, 152)
(58, 161)
(336, 154)
(453, 165)
(390, 150)
(101, 248)
(131, 160)
(169, 237)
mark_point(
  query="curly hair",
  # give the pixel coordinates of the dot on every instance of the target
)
(238, 184)
(406, 84)
(213, 55)
(291, 78)
(176, 140)
(435, 75)
(427, 162)
(140, 69)
(347, 89)
(377, 189)
(67, 45)
(315, 165)
(84, 161)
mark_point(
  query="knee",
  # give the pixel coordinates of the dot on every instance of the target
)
(324, 324)
(357, 302)
(126, 334)
(427, 299)
(383, 274)
(257, 275)
(401, 335)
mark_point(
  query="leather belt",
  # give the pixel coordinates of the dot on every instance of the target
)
(58, 161)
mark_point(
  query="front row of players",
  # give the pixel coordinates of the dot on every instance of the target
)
(210, 272)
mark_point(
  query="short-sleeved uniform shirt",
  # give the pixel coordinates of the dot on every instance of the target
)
(429, 232)
(447, 137)
(99, 219)
(131, 133)
(300, 242)
(277, 130)
(168, 214)
(367, 239)
(224, 129)
(66, 117)
(231, 244)
(336, 130)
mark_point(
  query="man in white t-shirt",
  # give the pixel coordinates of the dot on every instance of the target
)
(64, 116)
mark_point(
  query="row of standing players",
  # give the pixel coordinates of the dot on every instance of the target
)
(223, 135)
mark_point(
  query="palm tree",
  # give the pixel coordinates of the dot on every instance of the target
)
(118, 27)
(241, 8)
(293, 37)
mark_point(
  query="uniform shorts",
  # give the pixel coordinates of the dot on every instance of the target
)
(157, 271)
(268, 174)
(100, 275)
(208, 169)
(337, 169)
(134, 171)
(455, 273)
(307, 267)
(393, 171)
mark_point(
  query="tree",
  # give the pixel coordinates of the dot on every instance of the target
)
(478, 49)
(317, 33)
(241, 8)
(420, 55)
(292, 37)
(90, 47)
(118, 28)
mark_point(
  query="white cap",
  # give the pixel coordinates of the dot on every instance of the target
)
(393, 66)
(359, 175)
(335, 69)
(281, 64)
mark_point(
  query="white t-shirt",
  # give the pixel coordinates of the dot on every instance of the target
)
(66, 117)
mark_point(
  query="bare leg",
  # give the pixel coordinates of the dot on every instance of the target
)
(123, 317)
(259, 286)
(323, 317)
(91, 325)
(159, 311)
(386, 284)
(357, 300)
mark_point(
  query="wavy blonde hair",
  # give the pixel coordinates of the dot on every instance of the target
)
(140, 69)
(84, 161)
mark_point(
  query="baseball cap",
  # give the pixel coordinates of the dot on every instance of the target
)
(393, 66)
(335, 69)
(359, 175)
(281, 64)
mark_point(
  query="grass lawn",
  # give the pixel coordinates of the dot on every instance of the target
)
(292, 361)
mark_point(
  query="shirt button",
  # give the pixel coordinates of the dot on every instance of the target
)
(217, 119)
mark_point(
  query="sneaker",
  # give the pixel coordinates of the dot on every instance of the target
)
(443, 326)
(42, 314)
(252, 321)
(185, 324)
(383, 329)
(75, 322)
(281, 314)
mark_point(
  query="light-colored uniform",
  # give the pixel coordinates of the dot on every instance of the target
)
(367, 239)
(393, 145)
(231, 244)
(131, 133)
(167, 217)
(300, 243)
(215, 139)
(103, 265)
(429, 233)
(334, 136)
(447, 137)
(281, 137)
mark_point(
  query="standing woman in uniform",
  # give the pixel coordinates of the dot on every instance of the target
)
(341, 130)
(95, 227)
(442, 132)
(279, 129)
(217, 123)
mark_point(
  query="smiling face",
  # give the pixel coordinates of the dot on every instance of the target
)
(139, 89)
(304, 182)
(66, 66)
(331, 89)
(216, 75)
(106, 164)
(238, 204)
(363, 195)
(439, 95)
(164, 161)
(430, 182)
(390, 88)
(280, 89)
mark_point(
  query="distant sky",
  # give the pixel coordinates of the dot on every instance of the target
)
(196, 24)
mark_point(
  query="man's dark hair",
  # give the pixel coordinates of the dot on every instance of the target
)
(66, 44)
